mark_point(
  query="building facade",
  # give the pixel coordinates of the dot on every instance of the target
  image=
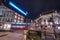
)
(8, 15)
(50, 24)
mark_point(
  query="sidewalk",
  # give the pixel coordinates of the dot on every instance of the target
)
(11, 36)
(3, 33)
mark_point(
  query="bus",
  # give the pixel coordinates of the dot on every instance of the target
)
(19, 26)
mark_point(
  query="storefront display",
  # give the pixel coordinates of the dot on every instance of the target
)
(7, 26)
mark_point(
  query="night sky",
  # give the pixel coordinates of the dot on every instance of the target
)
(36, 7)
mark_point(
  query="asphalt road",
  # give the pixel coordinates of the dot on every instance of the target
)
(11, 35)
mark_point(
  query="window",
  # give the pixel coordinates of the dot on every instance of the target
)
(15, 13)
(9, 14)
(19, 15)
(18, 18)
(8, 20)
(21, 18)
(3, 13)
(0, 19)
(18, 21)
(14, 20)
(15, 16)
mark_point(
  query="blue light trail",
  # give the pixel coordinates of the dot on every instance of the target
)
(17, 8)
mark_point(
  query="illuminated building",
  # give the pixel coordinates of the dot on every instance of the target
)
(50, 23)
(8, 15)
(18, 18)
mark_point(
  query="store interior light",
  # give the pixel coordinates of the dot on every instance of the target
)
(17, 8)
(58, 27)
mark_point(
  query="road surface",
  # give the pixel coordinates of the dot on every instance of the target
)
(11, 36)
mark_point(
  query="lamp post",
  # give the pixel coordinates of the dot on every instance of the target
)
(25, 31)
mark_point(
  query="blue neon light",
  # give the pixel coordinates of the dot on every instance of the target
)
(13, 5)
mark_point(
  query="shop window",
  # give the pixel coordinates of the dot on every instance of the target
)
(7, 26)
